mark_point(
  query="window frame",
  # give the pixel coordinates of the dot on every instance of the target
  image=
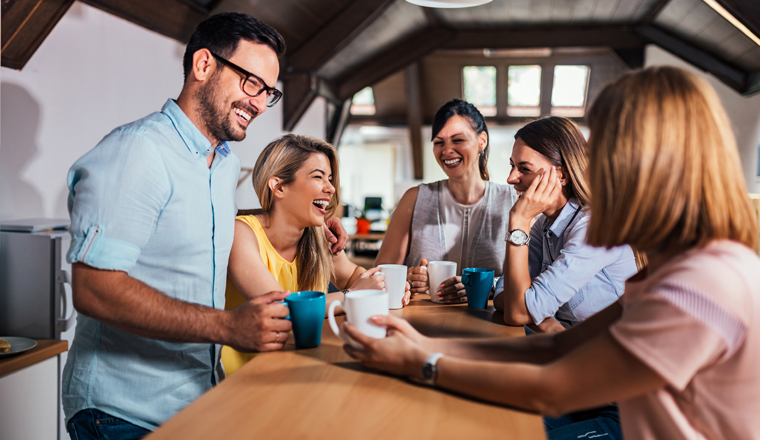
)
(496, 84)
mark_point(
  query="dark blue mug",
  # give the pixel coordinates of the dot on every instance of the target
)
(478, 284)
(307, 314)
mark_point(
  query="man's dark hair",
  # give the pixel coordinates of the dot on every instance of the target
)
(221, 34)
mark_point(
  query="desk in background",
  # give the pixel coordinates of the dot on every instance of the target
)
(323, 393)
(362, 248)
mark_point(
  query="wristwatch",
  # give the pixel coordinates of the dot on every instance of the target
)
(517, 237)
(429, 370)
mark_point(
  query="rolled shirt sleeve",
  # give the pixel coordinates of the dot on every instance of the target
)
(576, 264)
(116, 194)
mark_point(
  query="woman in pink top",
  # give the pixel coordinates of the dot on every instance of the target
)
(680, 351)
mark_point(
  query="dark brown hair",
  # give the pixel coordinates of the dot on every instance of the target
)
(457, 107)
(563, 145)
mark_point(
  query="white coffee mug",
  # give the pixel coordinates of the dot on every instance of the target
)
(395, 283)
(438, 272)
(360, 305)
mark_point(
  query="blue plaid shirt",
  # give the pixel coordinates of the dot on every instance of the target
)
(144, 201)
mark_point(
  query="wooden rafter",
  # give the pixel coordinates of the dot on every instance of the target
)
(300, 89)
(25, 25)
(616, 37)
(746, 11)
(653, 12)
(633, 58)
(335, 34)
(414, 116)
(733, 76)
(392, 60)
(175, 19)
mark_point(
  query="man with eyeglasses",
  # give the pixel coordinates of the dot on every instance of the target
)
(152, 216)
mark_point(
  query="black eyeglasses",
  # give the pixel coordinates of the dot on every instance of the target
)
(252, 85)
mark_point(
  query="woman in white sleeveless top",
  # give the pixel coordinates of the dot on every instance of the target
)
(461, 219)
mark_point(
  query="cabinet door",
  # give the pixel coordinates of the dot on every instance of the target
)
(29, 402)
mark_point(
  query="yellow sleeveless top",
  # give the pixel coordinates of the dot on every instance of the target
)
(284, 272)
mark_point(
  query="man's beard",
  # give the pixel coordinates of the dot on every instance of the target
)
(215, 117)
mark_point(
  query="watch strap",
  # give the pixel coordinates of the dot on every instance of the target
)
(430, 369)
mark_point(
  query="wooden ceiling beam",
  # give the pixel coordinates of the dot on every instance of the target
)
(414, 116)
(392, 60)
(746, 11)
(335, 34)
(753, 83)
(25, 25)
(615, 37)
(175, 19)
(653, 12)
(732, 76)
(299, 91)
(337, 118)
(633, 58)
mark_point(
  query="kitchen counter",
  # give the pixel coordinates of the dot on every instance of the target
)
(46, 348)
(29, 393)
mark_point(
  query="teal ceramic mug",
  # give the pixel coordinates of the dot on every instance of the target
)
(478, 284)
(307, 314)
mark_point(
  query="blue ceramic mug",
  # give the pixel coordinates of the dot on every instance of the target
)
(307, 313)
(478, 284)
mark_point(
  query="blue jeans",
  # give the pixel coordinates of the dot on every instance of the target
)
(597, 423)
(92, 424)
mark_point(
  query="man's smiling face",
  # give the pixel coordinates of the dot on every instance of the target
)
(223, 105)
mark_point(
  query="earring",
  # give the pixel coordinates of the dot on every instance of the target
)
(482, 153)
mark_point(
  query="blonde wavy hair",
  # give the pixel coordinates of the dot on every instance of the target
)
(282, 158)
(664, 166)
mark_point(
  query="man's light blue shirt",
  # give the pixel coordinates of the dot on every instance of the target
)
(572, 280)
(144, 201)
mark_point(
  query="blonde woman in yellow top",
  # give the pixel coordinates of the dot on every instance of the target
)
(282, 246)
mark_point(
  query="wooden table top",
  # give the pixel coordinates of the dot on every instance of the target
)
(323, 393)
(45, 348)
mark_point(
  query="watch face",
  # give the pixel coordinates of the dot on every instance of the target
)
(518, 237)
(427, 372)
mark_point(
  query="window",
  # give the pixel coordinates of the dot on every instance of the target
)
(524, 91)
(363, 102)
(569, 91)
(480, 88)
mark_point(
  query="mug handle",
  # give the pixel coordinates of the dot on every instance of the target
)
(331, 318)
(334, 325)
(466, 278)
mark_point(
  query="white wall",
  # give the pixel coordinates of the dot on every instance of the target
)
(743, 111)
(95, 72)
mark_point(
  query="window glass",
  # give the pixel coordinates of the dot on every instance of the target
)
(524, 91)
(363, 102)
(480, 88)
(569, 91)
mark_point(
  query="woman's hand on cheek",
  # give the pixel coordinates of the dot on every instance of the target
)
(371, 279)
(540, 196)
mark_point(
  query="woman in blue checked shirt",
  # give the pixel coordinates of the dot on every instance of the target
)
(552, 278)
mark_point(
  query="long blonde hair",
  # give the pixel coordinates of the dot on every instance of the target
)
(282, 158)
(664, 166)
